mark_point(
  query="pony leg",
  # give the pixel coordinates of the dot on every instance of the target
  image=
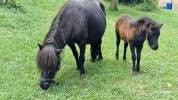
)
(82, 47)
(93, 51)
(75, 53)
(117, 45)
(99, 50)
(139, 49)
(132, 48)
(125, 50)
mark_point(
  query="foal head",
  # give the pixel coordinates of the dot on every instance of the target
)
(48, 62)
(152, 28)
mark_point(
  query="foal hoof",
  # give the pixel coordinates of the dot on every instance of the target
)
(124, 59)
(117, 58)
(124, 62)
(135, 72)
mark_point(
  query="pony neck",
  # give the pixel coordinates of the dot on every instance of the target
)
(56, 35)
(56, 40)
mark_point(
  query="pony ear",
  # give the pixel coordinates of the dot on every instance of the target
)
(40, 46)
(58, 51)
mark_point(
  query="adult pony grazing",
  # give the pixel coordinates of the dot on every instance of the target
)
(78, 22)
(135, 32)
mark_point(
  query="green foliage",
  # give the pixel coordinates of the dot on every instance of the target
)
(10, 4)
(150, 5)
(131, 1)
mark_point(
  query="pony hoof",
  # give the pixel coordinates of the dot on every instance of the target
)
(138, 70)
(100, 58)
(135, 72)
(92, 60)
(56, 83)
(78, 68)
(82, 76)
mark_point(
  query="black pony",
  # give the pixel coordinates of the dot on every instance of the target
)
(78, 22)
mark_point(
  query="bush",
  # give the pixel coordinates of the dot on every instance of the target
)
(149, 5)
(144, 5)
(131, 1)
(10, 4)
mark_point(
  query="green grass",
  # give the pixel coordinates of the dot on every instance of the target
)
(108, 79)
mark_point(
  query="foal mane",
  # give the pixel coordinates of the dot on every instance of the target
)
(47, 58)
(146, 19)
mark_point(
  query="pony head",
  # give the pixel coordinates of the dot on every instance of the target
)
(49, 63)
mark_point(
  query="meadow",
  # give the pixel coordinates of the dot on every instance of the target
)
(105, 80)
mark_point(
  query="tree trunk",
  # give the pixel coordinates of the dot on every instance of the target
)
(113, 4)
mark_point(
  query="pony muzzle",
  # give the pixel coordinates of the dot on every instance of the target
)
(46, 83)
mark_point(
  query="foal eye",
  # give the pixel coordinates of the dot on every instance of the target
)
(154, 28)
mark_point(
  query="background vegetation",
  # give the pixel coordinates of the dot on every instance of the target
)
(106, 80)
(144, 5)
(11, 4)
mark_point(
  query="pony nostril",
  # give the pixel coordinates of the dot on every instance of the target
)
(154, 47)
(44, 85)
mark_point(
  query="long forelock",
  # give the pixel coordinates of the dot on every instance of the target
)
(47, 59)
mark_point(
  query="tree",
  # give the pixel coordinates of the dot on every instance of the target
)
(113, 4)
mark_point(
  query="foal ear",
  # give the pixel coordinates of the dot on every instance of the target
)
(161, 25)
(58, 51)
(148, 25)
(141, 22)
(40, 46)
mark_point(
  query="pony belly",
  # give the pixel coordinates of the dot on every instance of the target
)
(94, 38)
(96, 32)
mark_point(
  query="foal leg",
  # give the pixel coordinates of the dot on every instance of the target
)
(125, 50)
(139, 49)
(99, 50)
(117, 45)
(75, 53)
(82, 47)
(132, 48)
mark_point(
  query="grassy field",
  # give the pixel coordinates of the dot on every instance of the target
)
(105, 80)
